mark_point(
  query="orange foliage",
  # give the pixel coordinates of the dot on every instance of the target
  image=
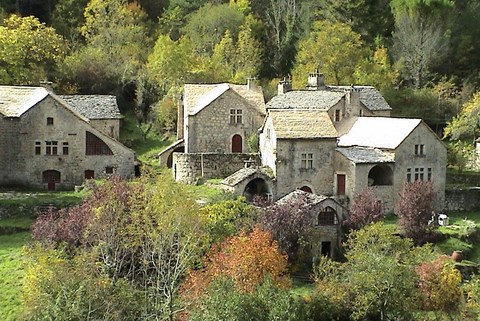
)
(246, 258)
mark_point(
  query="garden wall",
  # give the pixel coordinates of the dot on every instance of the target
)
(462, 199)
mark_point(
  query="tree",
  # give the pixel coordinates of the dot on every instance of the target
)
(414, 209)
(377, 71)
(466, 125)
(28, 50)
(289, 222)
(380, 272)
(67, 18)
(366, 208)
(337, 57)
(247, 259)
(439, 284)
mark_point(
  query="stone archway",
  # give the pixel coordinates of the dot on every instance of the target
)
(306, 189)
(257, 187)
(180, 149)
(380, 175)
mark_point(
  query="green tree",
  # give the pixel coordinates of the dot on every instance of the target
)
(377, 71)
(337, 57)
(466, 125)
(28, 50)
(380, 272)
(67, 18)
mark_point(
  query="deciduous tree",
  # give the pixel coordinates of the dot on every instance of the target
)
(466, 125)
(366, 208)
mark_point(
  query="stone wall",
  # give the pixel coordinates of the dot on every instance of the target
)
(190, 167)
(462, 199)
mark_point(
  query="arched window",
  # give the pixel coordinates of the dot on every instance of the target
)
(306, 189)
(327, 216)
(96, 146)
(380, 175)
(236, 144)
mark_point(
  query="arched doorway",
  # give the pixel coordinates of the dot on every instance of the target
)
(306, 189)
(236, 143)
(380, 175)
(257, 187)
(170, 156)
(51, 178)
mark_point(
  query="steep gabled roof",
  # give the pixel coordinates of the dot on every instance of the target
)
(94, 106)
(378, 132)
(17, 100)
(311, 198)
(199, 96)
(302, 124)
(366, 155)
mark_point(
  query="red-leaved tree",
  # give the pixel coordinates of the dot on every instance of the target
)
(366, 208)
(414, 209)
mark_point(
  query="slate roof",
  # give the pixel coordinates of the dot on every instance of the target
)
(244, 173)
(302, 123)
(310, 197)
(378, 132)
(94, 106)
(198, 96)
(327, 98)
(16, 100)
(366, 155)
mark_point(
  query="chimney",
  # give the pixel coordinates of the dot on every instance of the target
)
(315, 81)
(47, 85)
(250, 83)
(284, 86)
(352, 97)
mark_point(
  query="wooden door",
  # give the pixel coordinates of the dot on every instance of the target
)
(340, 184)
(236, 144)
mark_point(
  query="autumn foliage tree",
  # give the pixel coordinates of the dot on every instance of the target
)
(247, 259)
(439, 284)
(414, 209)
(366, 208)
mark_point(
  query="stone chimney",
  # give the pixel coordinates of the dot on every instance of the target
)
(250, 83)
(352, 106)
(284, 86)
(315, 81)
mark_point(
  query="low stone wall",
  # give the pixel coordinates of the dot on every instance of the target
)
(462, 199)
(189, 168)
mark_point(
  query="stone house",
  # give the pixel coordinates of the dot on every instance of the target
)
(46, 143)
(214, 125)
(327, 215)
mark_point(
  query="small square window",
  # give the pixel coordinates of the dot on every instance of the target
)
(307, 160)
(49, 121)
(419, 149)
(236, 116)
(109, 170)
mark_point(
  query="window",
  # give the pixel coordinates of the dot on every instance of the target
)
(49, 121)
(429, 173)
(51, 147)
(361, 113)
(409, 174)
(96, 146)
(65, 148)
(307, 160)
(268, 133)
(327, 217)
(38, 148)
(419, 173)
(236, 116)
(419, 149)
(337, 114)
(109, 170)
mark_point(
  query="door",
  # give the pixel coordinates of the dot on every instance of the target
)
(89, 174)
(340, 184)
(51, 177)
(326, 248)
(236, 144)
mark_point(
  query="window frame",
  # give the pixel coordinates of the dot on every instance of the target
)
(51, 147)
(38, 148)
(306, 161)
(236, 116)
(50, 121)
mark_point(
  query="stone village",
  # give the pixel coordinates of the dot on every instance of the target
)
(327, 141)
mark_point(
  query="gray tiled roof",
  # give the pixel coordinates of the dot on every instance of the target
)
(94, 106)
(302, 123)
(365, 155)
(198, 96)
(16, 100)
(326, 98)
(310, 197)
(245, 173)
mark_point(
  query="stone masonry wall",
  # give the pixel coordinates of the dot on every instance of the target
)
(189, 167)
(462, 199)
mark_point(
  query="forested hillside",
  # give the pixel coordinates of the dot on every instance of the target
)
(422, 54)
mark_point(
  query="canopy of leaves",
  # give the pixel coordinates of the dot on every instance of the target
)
(28, 50)
(336, 56)
(466, 125)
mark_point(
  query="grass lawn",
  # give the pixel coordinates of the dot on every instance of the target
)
(11, 273)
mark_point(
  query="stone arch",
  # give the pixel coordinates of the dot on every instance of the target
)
(257, 187)
(306, 189)
(327, 216)
(380, 175)
(237, 143)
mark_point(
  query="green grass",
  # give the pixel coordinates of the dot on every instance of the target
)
(11, 274)
(29, 199)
